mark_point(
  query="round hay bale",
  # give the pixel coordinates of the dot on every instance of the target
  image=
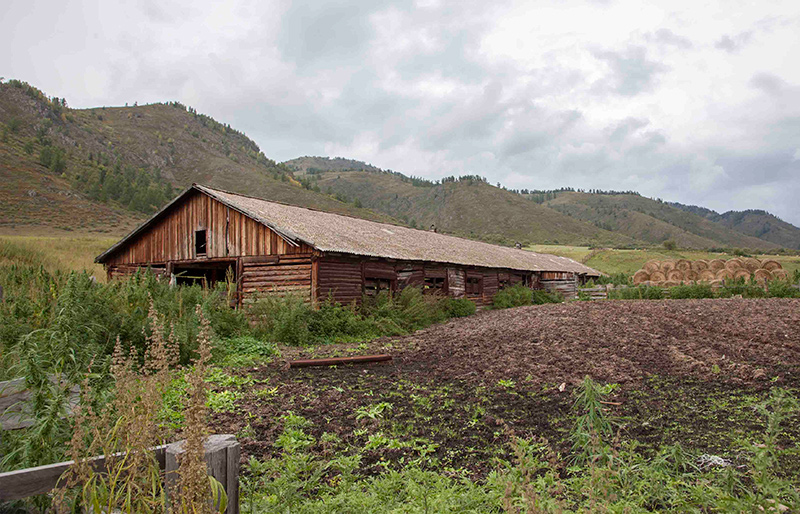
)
(683, 265)
(640, 276)
(647, 283)
(751, 264)
(691, 275)
(779, 274)
(707, 276)
(716, 265)
(657, 276)
(771, 265)
(741, 273)
(699, 265)
(724, 274)
(762, 275)
(675, 275)
(733, 264)
(667, 266)
(671, 283)
(651, 266)
(716, 284)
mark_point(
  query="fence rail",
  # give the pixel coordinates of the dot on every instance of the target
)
(222, 458)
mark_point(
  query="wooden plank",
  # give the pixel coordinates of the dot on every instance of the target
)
(22, 483)
(334, 361)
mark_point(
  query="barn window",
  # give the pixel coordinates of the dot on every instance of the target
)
(373, 285)
(433, 284)
(200, 242)
(474, 285)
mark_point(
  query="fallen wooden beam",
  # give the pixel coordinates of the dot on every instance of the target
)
(335, 361)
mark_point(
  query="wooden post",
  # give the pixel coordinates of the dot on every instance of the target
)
(222, 459)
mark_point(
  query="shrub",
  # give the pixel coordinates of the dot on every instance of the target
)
(670, 244)
(540, 297)
(636, 293)
(519, 295)
(460, 307)
(514, 296)
(692, 291)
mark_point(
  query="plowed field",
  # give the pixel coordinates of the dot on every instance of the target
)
(688, 371)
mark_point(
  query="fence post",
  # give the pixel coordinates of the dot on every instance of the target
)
(222, 459)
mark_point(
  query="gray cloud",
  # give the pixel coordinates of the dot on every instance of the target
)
(667, 37)
(631, 71)
(533, 97)
(733, 44)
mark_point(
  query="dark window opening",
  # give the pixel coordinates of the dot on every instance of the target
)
(373, 286)
(474, 285)
(206, 275)
(199, 242)
(433, 284)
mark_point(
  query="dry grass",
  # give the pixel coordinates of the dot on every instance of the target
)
(56, 253)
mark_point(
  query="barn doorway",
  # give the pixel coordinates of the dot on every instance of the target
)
(206, 274)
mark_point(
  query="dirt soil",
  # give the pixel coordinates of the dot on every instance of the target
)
(690, 371)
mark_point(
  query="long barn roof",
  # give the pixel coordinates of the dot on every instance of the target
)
(335, 233)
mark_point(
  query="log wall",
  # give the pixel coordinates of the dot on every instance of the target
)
(288, 274)
(342, 278)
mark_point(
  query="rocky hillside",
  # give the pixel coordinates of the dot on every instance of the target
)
(470, 206)
(105, 169)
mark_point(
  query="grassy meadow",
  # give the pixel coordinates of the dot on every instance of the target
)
(56, 253)
(611, 261)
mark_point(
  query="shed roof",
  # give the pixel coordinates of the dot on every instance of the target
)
(335, 233)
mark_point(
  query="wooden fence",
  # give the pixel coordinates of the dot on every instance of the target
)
(222, 458)
(14, 407)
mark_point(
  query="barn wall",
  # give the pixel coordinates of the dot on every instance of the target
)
(278, 276)
(124, 271)
(339, 278)
(564, 284)
(229, 234)
(342, 278)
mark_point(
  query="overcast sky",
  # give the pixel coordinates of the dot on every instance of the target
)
(690, 101)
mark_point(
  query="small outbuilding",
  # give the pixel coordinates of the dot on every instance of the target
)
(266, 247)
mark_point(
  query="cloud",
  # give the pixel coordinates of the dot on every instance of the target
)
(631, 72)
(593, 94)
(667, 37)
(733, 44)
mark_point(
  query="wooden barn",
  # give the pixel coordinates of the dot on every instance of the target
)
(271, 248)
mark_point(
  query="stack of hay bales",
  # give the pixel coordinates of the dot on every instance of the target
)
(670, 273)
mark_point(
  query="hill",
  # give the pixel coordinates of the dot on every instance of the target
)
(468, 207)
(756, 223)
(105, 169)
(651, 220)
(471, 207)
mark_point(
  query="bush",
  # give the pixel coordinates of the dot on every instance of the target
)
(519, 295)
(514, 296)
(636, 293)
(670, 244)
(460, 307)
(691, 291)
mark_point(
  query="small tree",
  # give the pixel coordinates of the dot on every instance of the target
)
(670, 244)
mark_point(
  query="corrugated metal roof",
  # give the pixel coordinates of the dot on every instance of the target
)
(336, 233)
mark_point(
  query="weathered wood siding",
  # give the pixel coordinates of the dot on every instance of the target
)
(288, 274)
(564, 284)
(123, 271)
(455, 282)
(229, 234)
(340, 278)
